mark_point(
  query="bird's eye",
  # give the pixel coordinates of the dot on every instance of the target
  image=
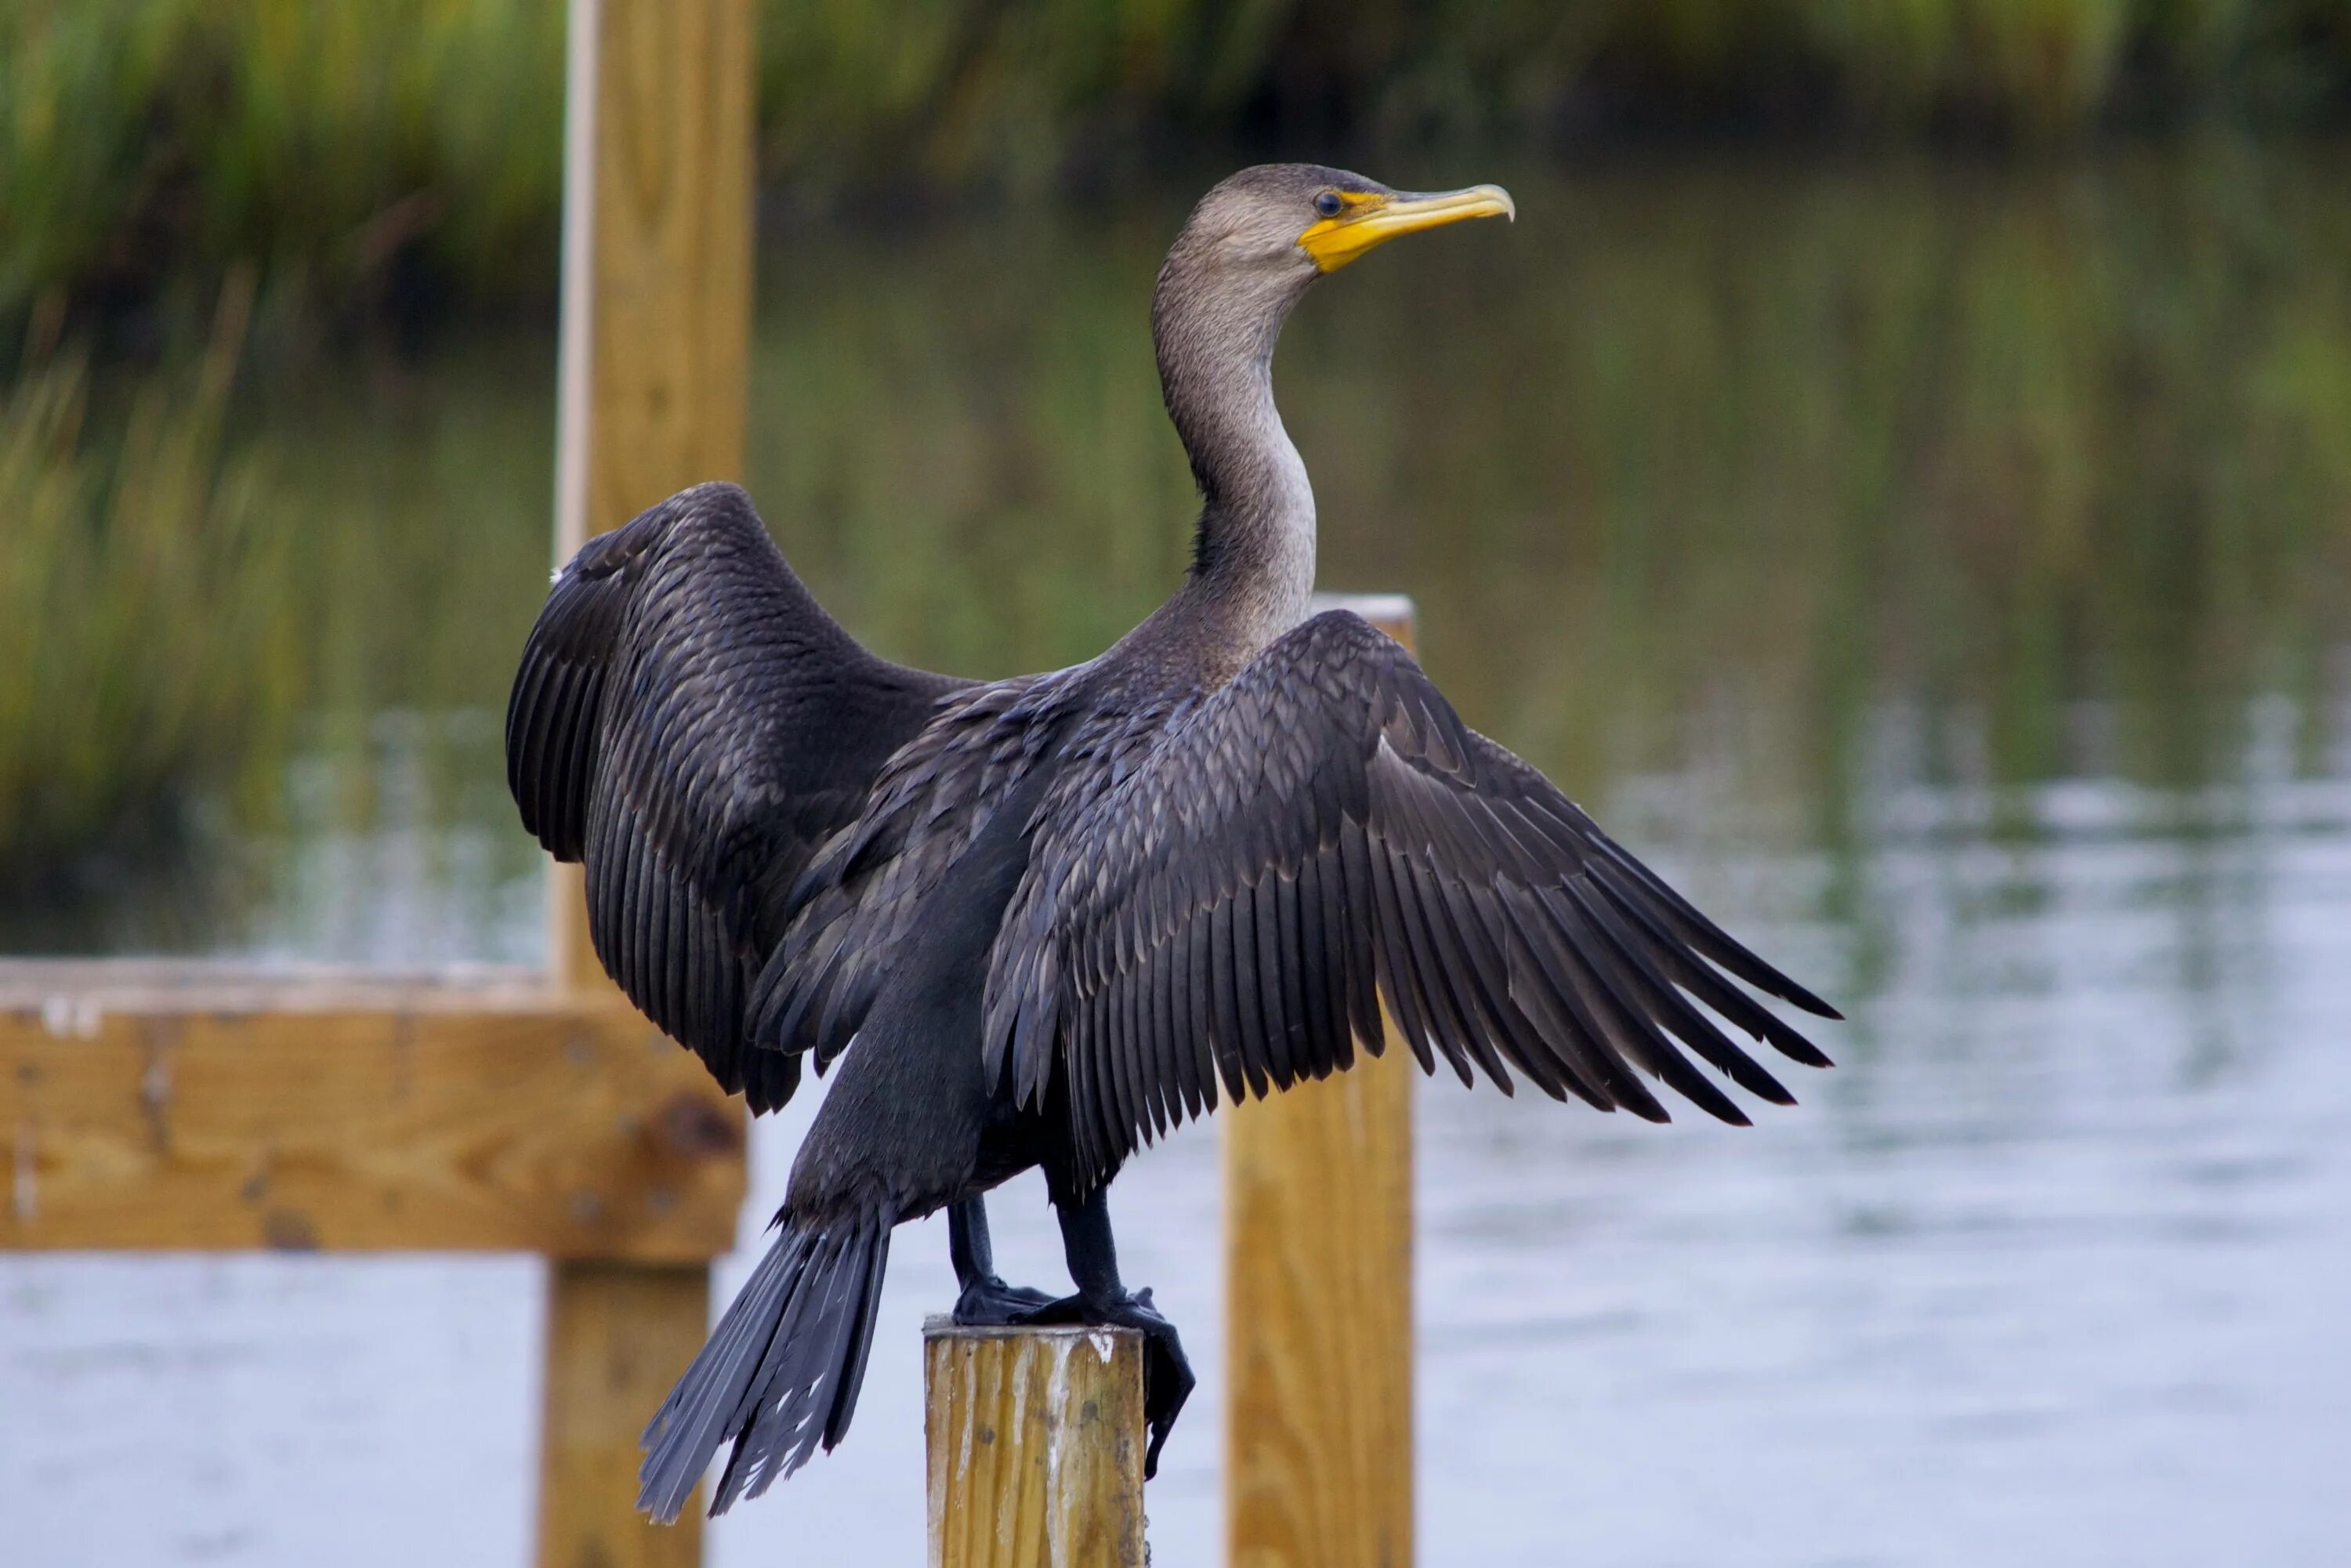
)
(1328, 203)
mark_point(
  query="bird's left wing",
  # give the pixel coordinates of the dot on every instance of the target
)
(690, 723)
(1325, 834)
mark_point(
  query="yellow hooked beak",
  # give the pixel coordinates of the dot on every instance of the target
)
(1372, 217)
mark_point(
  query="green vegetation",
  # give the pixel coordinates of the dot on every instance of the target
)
(1700, 436)
(410, 150)
(229, 619)
(146, 146)
(150, 643)
(1800, 484)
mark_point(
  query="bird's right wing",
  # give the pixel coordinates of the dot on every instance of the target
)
(691, 724)
(1323, 835)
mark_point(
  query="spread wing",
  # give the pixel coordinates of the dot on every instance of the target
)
(1323, 834)
(690, 723)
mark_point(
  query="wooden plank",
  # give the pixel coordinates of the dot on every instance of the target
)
(618, 1336)
(81, 988)
(524, 1123)
(1035, 1442)
(1318, 1206)
(655, 345)
(656, 285)
(1319, 1457)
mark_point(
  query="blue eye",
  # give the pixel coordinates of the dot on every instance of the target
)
(1328, 203)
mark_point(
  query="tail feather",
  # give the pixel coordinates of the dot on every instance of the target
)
(853, 1374)
(781, 1373)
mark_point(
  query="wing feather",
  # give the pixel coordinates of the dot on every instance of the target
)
(692, 725)
(1323, 841)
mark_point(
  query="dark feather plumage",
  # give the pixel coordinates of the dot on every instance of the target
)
(690, 722)
(1507, 932)
(1050, 918)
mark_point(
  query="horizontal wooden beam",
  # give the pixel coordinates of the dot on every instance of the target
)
(180, 1107)
(70, 988)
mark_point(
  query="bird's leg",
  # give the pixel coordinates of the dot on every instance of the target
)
(1101, 1299)
(986, 1299)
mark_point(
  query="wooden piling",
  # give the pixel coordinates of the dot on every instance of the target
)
(650, 389)
(1036, 1442)
(617, 1336)
(655, 349)
(1318, 1292)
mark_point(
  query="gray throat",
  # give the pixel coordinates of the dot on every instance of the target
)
(1253, 558)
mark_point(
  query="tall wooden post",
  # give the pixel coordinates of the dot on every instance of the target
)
(618, 1334)
(1318, 1292)
(656, 283)
(1035, 1443)
(656, 323)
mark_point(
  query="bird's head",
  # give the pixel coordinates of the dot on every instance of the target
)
(1244, 257)
(1284, 224)
(1255, 242)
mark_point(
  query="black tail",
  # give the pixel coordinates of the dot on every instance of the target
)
(782, 1370)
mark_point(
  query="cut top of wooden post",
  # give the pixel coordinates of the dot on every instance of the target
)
(1035, 1443)
(1391, 613)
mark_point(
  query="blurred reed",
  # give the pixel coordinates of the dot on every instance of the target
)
(148, 145)
(412, 147)
(1710, 469)
(150, 645)
(1704, 451)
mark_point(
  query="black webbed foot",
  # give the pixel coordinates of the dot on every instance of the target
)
(990, 1302)
(987, 1301)
(1167, 1379)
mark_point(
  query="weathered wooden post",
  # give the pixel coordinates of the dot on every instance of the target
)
(657, 191)
(1318, 1316)
(1035, 1442)
(656, 323)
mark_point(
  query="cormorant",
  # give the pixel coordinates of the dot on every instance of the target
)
(1048, 917)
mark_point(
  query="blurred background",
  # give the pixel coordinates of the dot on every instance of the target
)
(1896, 473)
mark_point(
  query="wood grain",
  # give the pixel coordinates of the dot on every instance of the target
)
(657, 285)
(1318, 1206)
(188, 1114)
(656, 339)
(168, 1106)
(1035, 1442)
(618, 1335)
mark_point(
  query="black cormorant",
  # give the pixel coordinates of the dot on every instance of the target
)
(1048, 917)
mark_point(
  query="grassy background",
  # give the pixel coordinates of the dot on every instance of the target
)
(1781, 444)
(144, 628)
(408, 152)
(2139, 370)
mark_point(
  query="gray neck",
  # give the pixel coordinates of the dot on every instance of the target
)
(1253, 558)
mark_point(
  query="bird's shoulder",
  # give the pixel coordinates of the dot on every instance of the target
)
(1194, 750)
(927, 804)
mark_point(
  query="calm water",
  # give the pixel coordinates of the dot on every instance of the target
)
(1945, 572)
